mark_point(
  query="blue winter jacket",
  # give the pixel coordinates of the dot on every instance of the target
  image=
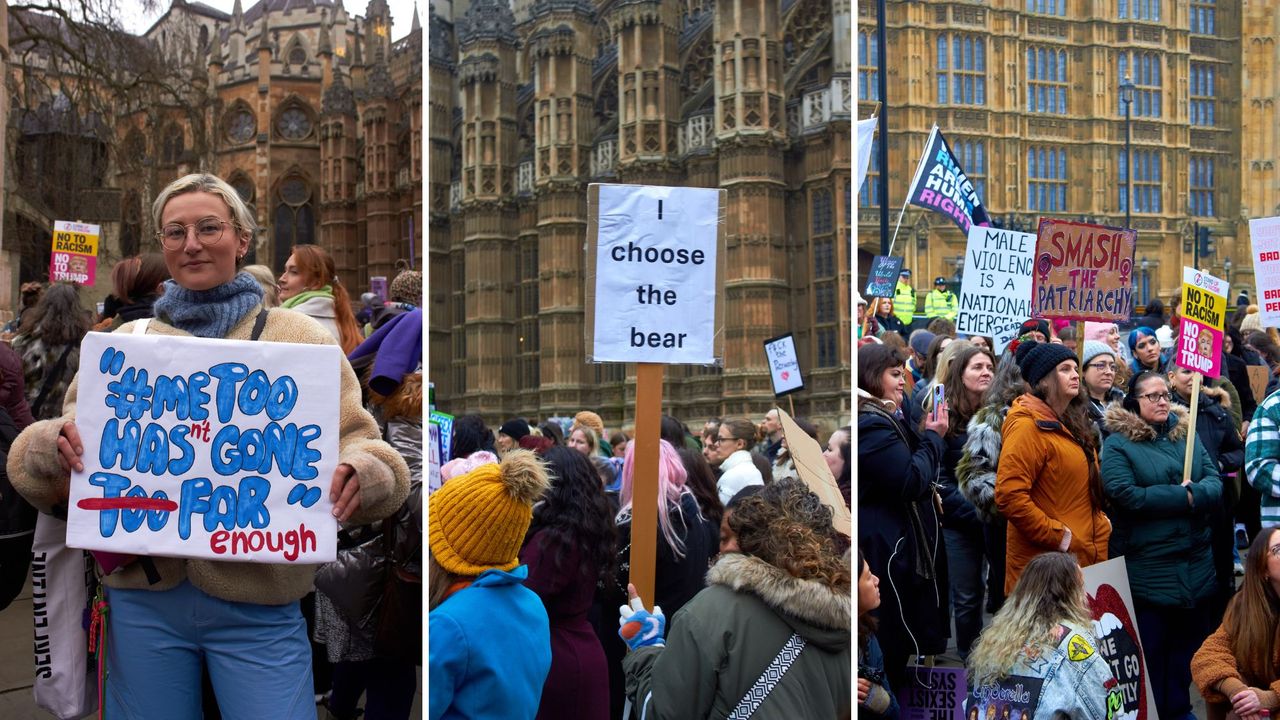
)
(490, 650)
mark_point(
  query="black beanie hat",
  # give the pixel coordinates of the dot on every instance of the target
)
(1041, 359)
(514, 429)
(1035, 325)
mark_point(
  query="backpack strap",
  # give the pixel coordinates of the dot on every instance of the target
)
(767, 681)
(140, 327)
(259, 323)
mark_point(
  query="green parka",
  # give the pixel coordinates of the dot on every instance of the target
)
(1163, 537)
(720, 643)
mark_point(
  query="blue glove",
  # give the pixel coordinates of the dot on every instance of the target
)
(638, 627)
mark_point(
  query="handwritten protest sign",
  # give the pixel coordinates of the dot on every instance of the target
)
(1111, 604)
(213, 449)
(654, 259)
(1204, 308)
(74, 257)
(1083, 271)
(995, 292)
(1264, 236)
(939, 694)
(883, 277)
(784, 365)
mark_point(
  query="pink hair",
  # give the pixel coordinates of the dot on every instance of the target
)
(671, 485)
(1097, 330)
(462, 466)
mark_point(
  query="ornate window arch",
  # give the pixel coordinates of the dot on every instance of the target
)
(295, 121)
(296, 51)
(240, 124)
(130, 224)
(172, 143)
(293, 216)
(134, 150)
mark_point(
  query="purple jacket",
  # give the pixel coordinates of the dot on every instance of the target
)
(578, 684)
(13, 394)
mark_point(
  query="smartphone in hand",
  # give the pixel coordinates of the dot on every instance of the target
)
(939, 395)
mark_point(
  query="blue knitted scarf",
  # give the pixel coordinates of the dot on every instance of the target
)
(209, 313)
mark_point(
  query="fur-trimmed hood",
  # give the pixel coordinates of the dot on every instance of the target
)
(1222, 397)
(811, 608)
(1130, 425)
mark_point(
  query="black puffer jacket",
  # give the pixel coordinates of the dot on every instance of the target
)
(899, 529)
(1216, 429)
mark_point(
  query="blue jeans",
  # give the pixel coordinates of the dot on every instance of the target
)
(965, 550)
(258, 657)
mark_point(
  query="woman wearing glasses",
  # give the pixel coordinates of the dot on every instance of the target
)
(240, 619)
(1099, 378)
(1236, 668)
(734, 440)
(1162, 527)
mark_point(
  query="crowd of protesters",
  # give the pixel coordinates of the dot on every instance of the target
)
(532, 611)
(293, 640)
(1065, 449)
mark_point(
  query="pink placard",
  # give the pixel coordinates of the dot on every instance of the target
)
(72, 267)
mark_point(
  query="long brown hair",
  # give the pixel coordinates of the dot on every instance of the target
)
(137, 277)
(1253, 616)
(1048, 592)
(1075, 418)
(959, 405)
(317, 269)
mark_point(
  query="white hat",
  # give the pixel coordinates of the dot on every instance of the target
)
(858, 299)
(1165, 335)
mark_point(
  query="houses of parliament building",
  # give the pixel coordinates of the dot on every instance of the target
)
(531, 101)
(1027, 92)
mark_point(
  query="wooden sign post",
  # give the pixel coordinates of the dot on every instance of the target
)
(655, 269)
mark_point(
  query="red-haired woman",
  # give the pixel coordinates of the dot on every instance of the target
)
(309, 284)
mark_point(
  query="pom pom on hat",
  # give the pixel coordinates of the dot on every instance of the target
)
(479, 520)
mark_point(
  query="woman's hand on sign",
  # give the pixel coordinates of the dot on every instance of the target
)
(1246, 702)
(70, 448)
(344, 492)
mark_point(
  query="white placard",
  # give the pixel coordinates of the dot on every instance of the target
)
(784, 366)
(655, 275)
(212, 449)
(1264, 238)
(995, 290)
(1115, 628)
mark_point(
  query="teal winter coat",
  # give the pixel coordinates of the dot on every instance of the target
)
(1163, 538)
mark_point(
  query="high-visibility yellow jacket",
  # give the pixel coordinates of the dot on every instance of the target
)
(940, 303)
(904, 302)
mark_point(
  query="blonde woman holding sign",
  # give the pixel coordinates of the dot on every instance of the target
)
(169, 615)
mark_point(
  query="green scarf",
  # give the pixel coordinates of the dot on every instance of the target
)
(305, 295)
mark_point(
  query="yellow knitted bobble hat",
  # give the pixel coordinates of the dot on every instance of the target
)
(478, 521)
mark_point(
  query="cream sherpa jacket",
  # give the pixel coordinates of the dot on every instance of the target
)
(384, 477)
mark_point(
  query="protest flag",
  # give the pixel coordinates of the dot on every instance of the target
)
(941, 185)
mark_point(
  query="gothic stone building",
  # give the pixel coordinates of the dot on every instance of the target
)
(529, 104)
(311, 112)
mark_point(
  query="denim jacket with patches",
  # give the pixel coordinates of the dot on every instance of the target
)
(1071, 677)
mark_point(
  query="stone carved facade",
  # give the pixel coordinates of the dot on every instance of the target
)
(532, 101)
